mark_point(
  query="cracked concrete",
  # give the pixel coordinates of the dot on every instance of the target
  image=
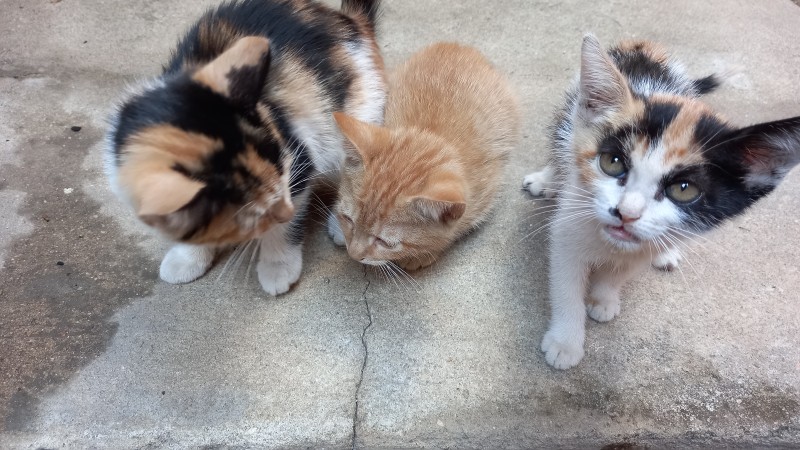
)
(96, 352)
(364, 363)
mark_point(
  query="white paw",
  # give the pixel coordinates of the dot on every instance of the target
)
(277, 275)
(539, 184)
(560, 352)
(668, 260)
(335, 231)
(603, 312)
(184, 263)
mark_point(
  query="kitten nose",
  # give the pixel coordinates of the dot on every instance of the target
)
(624, 218)
(630, 207)
(283, 211)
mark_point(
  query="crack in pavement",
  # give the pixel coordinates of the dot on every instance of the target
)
(366, 355)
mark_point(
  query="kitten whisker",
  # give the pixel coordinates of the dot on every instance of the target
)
(237, 249)
(253, 256)
(678, 242)
(570, 219)
(406, 275)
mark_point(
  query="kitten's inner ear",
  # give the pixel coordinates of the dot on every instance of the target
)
(603, 89)
(240, 72)
(362, 136)
(769, 151)
(162, 193)
(444, 203)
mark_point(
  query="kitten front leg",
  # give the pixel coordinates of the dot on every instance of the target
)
(604, 293)
(668, 260)
(563, 342)
(185, 262)
(335, 231)
(280, 260)
(541, 183)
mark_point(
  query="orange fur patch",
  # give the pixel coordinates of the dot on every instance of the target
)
(653, 50)
(147, 167)
(451, 121)
(678, 138)
(247, 51)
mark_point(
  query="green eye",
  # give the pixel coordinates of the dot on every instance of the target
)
(683, 192)
(613, 165)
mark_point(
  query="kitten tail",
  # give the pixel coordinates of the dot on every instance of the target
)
(367, 8)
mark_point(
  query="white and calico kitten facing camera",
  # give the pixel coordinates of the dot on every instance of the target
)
(640, 168)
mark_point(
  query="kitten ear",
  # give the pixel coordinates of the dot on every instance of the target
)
(239, 72)
(768, 151)
(603, 89)
(163, 193)
(444, 204)
(361, 135)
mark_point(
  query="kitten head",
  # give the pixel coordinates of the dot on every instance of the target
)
(659, 169)
(192, 154)
(401, 194)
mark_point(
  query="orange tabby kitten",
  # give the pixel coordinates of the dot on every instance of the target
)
(431, 174)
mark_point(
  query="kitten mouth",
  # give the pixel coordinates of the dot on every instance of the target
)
(621, 234)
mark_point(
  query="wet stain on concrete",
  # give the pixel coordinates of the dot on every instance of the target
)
(54, 318)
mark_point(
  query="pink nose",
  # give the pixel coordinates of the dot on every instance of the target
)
(625, 218)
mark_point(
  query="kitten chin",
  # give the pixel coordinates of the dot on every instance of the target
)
(641, 167)
(431, 174)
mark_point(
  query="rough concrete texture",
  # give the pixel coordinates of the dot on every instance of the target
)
(98, 352)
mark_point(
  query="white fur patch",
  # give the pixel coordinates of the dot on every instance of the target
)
(373, 91)
(279, 262)
(668, 260)
(335, 231)
(540, 183)
(184, 263)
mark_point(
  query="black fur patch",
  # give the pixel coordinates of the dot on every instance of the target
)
(246, 83)
(369, 8)
(185, 105)
(706, 85)
(722, 178)
(617, 141)
(657, 117)
(637, 65)
(312, 41)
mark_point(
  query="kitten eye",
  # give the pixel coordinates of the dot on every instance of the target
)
(683, 192)
(612, 165)
(346, 219)
(384, 244)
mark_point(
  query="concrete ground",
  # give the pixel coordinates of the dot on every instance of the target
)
(95, 351)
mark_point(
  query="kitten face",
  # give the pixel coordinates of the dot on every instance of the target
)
(658, 168)
(391, 210)
(649, 177)
(194, 157)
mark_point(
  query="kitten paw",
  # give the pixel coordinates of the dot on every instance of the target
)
(539, 184)
(561, 353)
(184, 263)
(667, 261)
(603, 312)
(335, 231)
(277, 276)
(413, 264)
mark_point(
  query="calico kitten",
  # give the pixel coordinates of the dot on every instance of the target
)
(431, 175)
(641, 166)
(220, 148)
